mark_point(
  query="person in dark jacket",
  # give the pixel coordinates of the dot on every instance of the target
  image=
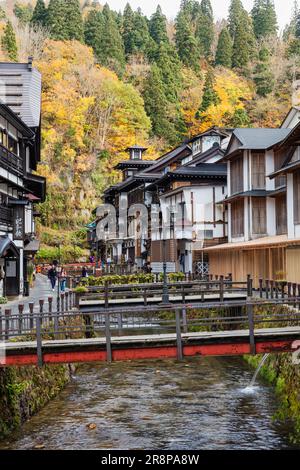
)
(84, 272)
(52, 276)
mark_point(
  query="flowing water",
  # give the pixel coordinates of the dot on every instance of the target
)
(198, 404)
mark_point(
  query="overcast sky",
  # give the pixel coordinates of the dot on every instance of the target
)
(170, 7)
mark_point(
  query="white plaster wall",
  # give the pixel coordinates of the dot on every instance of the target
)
(290, 206)
(270, 167)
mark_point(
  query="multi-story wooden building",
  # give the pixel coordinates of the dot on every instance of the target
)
(20, 188)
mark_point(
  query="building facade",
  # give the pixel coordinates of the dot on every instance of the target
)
(20, 188)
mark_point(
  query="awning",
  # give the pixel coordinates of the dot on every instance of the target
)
(7, 247)
(32, 247)
(265, 242)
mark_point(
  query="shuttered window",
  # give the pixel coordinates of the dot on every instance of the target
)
(296, 185)
(259, 216)
(237, 218)
(258, 171)
(279, 159)
(237, 176)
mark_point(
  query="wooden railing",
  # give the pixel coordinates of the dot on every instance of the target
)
(11, 162)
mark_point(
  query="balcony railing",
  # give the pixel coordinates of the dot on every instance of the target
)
(6, 216)
(11, 162)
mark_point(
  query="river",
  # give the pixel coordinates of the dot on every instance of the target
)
(198, 404)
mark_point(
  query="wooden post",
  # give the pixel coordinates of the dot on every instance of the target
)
(221, 289)
(276, 290)
(108, 338)
(261, 288)
(289, 290)
(178, 336)
(50, 303)
(294, 293)
(7, 314)
(184, 320)
(267, 288)
(31, 307)
(67, 301)
(62, 301)
(106, 294)
(272, 289)
(58, 304)
(41, 302)
(39, 340)
(251, 328)
(145, 297)
(56, 325)
(282, 290)
(249, 286)
(21, 310)
(1, 319)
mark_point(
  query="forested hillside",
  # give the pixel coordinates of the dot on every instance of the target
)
(113, 79)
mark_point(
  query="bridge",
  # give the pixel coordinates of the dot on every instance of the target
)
(173, 330)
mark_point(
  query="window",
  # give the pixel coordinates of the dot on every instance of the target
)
(13, 145)
(237, 177)
(197, 146)
(136, 154)
(258, 171)
(296, 185)
(259, 215)
(209, 142)
(279, 159)
(281, 215)
(237, 218)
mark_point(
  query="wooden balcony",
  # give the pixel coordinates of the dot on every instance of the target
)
(11, 162)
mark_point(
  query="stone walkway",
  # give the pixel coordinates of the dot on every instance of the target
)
(41, 290)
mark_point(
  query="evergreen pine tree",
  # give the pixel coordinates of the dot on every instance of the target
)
(56, 19)
(23, 13)
(141, 36)
(73, 20)
(93, 29)
(224, 49)
(263, 76)
(264, 18)
(128, 29)
(111, 53)
(9, 42)
(158, 26)
(157, 106)
(39, 16)
(186, 43)
(205, 28)
(210, 97)
(244, 42)
(236, 10)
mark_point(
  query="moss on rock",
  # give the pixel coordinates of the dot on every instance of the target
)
(25, 390)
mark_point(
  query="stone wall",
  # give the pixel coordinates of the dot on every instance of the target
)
(25, 390)
(285, 376)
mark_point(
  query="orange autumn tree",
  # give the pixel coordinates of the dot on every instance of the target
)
(89, 117)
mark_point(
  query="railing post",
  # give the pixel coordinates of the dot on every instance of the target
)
(272, 289)
(260, 288)
(50, 303)
(184, 320)
(249, 286)
(7, 314)
(39, 340)
(267, 288)
(145, 297)
(41, 302)
(31, 307)
(178, 336)
(21, 310)
(108, 337)
(67, 300)
(1, 327)
(294, 293)
(283, 290)
(106, 294)
(289, 290)
(57, 303)
(250, 315)
(62, 301)
(56, 325)
(221, 289)
(276, 290)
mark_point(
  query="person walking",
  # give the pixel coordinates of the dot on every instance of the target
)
(52, 276)
(63, 279)
(84, 272)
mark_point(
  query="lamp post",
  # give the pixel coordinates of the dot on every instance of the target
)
(165, 295)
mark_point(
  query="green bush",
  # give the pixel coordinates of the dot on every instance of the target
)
(139, 278)
(3, 300)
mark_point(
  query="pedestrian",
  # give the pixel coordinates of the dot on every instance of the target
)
(52, 276)
(63, 280)
(84, 272)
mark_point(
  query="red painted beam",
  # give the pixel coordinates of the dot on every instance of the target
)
(151, 353)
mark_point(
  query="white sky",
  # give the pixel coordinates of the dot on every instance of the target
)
(170, 7)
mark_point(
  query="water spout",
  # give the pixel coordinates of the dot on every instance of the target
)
(252, 383)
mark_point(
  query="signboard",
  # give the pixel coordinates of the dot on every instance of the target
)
(18, 232)
(157, 268)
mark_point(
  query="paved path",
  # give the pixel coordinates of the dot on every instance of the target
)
(41, 290)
